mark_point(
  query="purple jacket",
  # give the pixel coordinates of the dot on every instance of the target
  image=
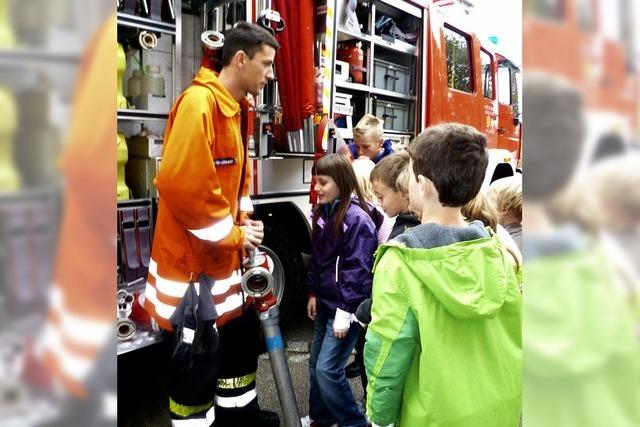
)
(340, 268)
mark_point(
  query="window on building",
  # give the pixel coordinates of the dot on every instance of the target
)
(487, 74)
(459, 73)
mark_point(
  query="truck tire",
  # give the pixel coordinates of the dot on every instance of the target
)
(288, 270)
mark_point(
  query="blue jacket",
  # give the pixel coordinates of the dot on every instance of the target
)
(386, 150)
(340, 267)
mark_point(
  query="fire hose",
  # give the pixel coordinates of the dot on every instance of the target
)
(257, 282)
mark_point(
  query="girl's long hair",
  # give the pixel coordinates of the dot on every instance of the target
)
(480, 208)
(339, 168)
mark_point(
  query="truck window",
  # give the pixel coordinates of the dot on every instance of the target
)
(458, 60)
(585, 15)
(552, 10)
(487, 74)
(504, 85)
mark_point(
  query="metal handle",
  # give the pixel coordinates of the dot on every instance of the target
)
(393, 116)
(389, 76)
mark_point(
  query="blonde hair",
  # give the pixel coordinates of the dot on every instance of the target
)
(362, 169)
(479, 208)
(369, 123)
(507, 196)
(617, 184)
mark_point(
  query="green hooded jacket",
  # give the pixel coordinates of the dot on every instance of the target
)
(444, 347)
(581, 358)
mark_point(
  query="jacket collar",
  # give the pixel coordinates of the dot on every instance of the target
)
(228, 106)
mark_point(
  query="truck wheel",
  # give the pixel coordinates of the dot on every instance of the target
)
(287, 270)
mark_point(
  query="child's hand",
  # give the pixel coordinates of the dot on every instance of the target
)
(311, 308)
(341, 323)
(339, 334)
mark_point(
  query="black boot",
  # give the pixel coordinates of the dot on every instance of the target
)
(352, 370)
(269, 419)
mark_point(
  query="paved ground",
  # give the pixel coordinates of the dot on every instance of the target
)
(142, 389)
(298, 337)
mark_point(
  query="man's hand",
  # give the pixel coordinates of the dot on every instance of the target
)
(253, 234)
(311, 308)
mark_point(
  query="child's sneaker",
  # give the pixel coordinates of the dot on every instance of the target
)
(308, 422)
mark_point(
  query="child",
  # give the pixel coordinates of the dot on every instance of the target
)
(369, 140)
(344, 240)
(362, 168)
(390, 181)
(481, 209)
(506, 194)
(444, 343)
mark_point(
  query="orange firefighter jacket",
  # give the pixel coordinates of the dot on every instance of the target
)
(203, 183)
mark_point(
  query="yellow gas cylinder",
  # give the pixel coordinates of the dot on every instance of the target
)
(122, 66)
(123, 191)
(9, 178)
(7, 37)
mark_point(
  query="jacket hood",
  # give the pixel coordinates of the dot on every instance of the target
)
(464, 268)
(226, 103)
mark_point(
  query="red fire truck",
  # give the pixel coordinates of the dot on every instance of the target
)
(590, 44)
(416, 65)
(411, 63)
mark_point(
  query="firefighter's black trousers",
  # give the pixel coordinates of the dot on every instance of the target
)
(220, 389)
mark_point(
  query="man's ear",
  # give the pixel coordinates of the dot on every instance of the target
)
(240, 58)
(380, 142)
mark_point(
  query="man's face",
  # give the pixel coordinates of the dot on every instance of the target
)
(368, 144)
(258, 70)
(392, 202)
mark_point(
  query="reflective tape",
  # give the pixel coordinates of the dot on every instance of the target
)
(73, 365)
(188, 410)
(238, 382)
(83, 330)
(237, 401)
(246, 205)
(231, 303)
(215, 232)
(206, 421)
(165, 311)
(173, 288)
(187, 335)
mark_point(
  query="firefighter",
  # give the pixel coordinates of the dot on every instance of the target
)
(201, 229)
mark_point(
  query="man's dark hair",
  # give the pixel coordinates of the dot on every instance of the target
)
(454, 157)
(248, 38)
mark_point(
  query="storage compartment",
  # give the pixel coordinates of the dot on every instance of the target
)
(393, 77)
(396, 116)
(343, 115)
(140, 173)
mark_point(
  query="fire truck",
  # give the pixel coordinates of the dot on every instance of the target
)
(411, 63)
(590, 44)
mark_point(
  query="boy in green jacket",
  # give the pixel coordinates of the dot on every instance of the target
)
(444, 346)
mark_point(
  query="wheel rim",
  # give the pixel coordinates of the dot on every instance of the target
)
(277, 270)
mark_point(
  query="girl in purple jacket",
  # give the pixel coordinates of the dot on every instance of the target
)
(344, 240)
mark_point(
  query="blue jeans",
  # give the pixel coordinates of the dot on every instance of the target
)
(330, 397)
